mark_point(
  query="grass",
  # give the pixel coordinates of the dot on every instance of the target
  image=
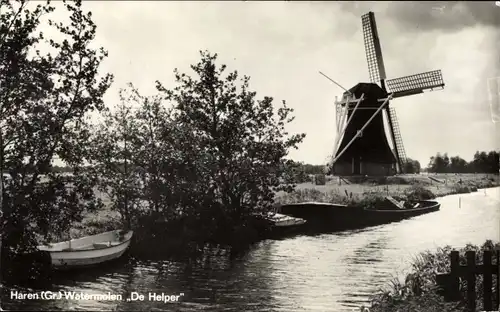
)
(338, 192)
(418, 291)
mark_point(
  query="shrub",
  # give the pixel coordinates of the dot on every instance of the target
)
(418, 292)
(417, 193)
(320, 179)
(369, 201)
(459, 189)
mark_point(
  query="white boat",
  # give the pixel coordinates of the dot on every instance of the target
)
(88, 250)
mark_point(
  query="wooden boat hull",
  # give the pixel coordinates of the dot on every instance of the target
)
(394, 215)
(325, 217)
(87, 251)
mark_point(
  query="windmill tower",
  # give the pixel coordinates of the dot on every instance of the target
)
(362, 146)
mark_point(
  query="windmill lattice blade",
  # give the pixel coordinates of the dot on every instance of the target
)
(374, 58)
(415, 84)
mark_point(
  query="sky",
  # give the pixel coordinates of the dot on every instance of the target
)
(282, 46)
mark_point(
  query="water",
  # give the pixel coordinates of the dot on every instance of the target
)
(331, 272)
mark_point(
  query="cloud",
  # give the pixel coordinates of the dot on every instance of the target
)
(283, 45)
(444, 15)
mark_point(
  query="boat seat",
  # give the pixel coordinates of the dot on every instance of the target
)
(105, 244)
(85, 247)
(394, 202)
(102, 245)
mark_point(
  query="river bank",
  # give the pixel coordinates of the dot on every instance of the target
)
(338, 191)
(365, 192)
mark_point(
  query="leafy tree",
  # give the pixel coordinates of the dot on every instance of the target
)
(438, 163)
(45, 99)
(446, 162)
(411, 166)
(113, 157)
(485, 162)
(241, 143)
(138, 151)
(458, 165)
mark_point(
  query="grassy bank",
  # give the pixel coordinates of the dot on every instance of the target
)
(365, 191)
(419, 187)
(419, 292)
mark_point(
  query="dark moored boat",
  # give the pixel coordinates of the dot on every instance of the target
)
(393, 214)
(335, 217)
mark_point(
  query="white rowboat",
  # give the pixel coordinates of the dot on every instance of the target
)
(88, 250)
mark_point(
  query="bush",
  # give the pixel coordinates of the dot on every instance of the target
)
(370, 201)
(460, 189)
(320, 179)
(418, 292)
(418, 193)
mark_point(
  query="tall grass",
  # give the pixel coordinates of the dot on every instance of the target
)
(369, 198)
(419, 292)
(333, 196)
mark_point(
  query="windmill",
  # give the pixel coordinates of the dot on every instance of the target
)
(362, 146)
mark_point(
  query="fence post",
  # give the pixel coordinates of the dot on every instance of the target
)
(497, 293)
(454, 275)
(487, 280)
(471, 280)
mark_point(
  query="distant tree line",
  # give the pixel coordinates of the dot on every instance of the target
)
(483, 162)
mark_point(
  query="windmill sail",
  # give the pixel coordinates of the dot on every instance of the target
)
(415, 84)
(374, 58)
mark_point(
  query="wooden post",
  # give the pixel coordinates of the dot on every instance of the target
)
(497, 293)
(487, 280)
(454, 275)
(471, 280)
(1, 197)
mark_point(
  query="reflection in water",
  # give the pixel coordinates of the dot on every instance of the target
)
(329, 272)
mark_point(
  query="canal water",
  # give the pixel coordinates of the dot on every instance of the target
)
(330, 272)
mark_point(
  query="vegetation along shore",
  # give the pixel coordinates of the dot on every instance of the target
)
(418, 291)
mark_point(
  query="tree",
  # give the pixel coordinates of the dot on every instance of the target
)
(458, 165)
(438, 163)
(45, 101)
(493, 161)
(411, 166)
(113, 158)
(446, 163)
(241, 143)
(137, 156)
(485, 162)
